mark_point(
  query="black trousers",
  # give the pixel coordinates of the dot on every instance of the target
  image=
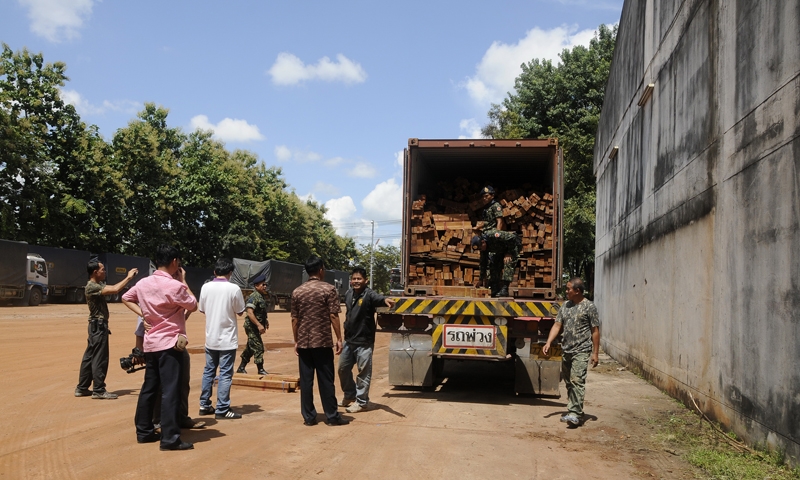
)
(184, 420)
(319, 360)
(161, 369)
(94, 365)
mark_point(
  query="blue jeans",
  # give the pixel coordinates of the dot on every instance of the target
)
(361, 356)
(224, 360)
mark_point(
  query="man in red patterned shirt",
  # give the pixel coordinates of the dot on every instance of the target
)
(315, 312)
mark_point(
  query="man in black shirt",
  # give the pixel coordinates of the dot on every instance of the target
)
(359, 340)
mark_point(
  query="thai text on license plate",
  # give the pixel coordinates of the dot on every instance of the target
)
(469, 336)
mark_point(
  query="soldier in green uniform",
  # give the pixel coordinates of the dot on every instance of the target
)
(580, 345)
(495, 243)
(255, 325)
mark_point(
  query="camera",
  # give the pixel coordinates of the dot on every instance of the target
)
(129, 363)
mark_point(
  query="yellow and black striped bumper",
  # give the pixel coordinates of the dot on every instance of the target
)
(474, 307)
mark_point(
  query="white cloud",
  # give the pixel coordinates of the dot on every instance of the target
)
(84, 107)
(57, 20)
(399, 158)
(363, 170)
(384, 202)
(500, 65)
(335, 162)
(326, 188)
(290, 70)
(340, 212)
(308, 196)
(228, 129)
(471, 127)
(284, 154)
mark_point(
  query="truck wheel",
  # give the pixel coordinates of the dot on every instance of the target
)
(35, 297)
(273, 303)
(80, 296)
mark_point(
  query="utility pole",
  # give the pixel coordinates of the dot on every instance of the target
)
(371, 253)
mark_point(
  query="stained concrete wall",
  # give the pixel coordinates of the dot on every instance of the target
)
(698, 215)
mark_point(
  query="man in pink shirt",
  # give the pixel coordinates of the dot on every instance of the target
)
(164, 300)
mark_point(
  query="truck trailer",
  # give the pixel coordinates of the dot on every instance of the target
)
(282, 278)
(117, 266)
(442, 315)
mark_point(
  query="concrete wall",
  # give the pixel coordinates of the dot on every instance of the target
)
(698, 216)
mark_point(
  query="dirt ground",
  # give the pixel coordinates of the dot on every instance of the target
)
(471, 426)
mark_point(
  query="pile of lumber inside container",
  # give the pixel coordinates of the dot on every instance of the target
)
(441, 230)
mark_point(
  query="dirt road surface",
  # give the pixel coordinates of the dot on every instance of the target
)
(470, 426)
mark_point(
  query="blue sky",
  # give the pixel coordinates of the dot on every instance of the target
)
(328, 91)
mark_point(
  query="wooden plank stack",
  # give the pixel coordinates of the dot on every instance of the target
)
(441, 230)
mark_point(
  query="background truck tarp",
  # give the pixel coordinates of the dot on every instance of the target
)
(196, 277)
(13, 263)
(282, 277)
(117, 267)
(337, 278)
(65, 267)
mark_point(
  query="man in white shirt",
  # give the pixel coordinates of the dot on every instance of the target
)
(222, 302)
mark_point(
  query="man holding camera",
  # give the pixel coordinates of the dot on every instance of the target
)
(164, 300)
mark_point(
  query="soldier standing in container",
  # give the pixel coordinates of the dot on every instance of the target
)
(580, 344)
(94, 365)
(499, 243)
(255, 325)
(359, 340)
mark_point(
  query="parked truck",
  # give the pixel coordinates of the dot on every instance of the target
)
(442, 314)
(66, 272)
(23, 275)
(338, 278)
(117, 266)
(282, 277)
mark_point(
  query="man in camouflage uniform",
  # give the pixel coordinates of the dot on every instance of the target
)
(496, 243)
(580, 345)
(255, 325)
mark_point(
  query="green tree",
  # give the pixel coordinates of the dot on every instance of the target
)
(147, 154)
(564, 101)
(385, 258)
(36, 129)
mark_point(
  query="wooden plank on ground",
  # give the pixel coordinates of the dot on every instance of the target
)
(284, 383)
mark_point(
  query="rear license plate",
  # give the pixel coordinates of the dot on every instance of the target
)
(469, 336)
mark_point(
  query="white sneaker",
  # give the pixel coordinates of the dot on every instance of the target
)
(346, 402)
(356, 407)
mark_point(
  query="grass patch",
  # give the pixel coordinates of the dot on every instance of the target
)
(684, 433)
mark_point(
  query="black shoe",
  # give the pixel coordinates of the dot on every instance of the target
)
(261, 370)
(191, 424)
(310, 423)
(241, 369)
(503, 292)
(337, 421)
(178, 446)
(206, 410)
(149, 438)
(229, 415)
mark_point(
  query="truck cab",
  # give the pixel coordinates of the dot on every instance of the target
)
(36, 279)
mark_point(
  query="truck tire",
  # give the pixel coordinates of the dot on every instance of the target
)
(273, 303)
(35, 297)
(80, 296)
